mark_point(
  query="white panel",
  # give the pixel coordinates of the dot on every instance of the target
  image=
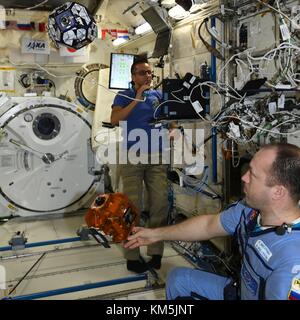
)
(182, 44)
(261, 34)
(103, 105)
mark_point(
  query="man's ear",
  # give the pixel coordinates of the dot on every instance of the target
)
(279, 192)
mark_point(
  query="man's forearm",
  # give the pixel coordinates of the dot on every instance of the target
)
(122, 114)
(198, 228)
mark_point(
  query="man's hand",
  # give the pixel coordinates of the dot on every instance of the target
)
(141, 237)
(139, 93)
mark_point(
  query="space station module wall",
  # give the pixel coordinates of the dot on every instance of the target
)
(46, 159)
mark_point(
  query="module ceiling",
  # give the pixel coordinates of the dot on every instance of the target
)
(49, 5)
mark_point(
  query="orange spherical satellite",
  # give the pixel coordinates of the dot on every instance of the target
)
(114, 214)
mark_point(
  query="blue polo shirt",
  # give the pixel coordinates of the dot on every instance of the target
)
(140, 117)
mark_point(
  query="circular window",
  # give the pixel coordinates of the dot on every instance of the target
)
(46, 126)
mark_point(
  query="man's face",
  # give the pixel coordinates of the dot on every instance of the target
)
(257, 193)
(142, 75)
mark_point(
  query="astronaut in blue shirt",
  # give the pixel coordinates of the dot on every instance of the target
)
(267, 227)
(140, 115)
(133, 110)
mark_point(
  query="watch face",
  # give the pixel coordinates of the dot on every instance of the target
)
(46, 161)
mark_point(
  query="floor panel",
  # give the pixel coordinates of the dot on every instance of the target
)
(73, 264)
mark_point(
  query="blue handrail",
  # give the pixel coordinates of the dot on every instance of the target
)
(44, 243)
(83, 287)
(214, 130)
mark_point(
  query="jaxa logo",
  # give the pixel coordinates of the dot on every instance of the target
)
(30, 45)
(36, 45)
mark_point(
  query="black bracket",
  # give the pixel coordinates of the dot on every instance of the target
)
(99, 237)
(85, 232)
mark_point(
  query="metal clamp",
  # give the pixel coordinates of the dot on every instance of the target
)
(18, 241)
